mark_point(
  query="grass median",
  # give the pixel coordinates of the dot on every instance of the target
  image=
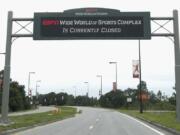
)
(39, 118)
(167, 119)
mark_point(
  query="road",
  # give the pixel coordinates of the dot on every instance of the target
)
(95, 121)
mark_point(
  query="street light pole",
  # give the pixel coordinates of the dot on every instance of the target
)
(115, 71)
(29, 79)
(87, 88)
(140, 88)
(37, 90)
(100, 92)
(74, 91)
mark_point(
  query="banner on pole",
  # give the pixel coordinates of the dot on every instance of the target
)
(136, 72)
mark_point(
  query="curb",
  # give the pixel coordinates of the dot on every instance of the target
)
(173, 131)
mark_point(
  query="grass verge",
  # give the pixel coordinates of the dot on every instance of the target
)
(39, 118)
(167, 119)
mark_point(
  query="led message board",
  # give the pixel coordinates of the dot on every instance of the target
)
(92, 23)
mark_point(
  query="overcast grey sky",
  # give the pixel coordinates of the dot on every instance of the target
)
(64, 65)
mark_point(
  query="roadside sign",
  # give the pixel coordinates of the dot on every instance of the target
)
(144, 96)
(129, 100)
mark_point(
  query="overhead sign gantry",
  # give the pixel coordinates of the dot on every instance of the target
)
(90, 23)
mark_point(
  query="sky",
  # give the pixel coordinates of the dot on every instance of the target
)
(64, 65)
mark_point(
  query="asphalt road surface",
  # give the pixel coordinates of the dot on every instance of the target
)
(93, 121)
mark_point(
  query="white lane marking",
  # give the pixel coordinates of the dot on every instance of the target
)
(91, 127)
(160, 133)
(97, 120)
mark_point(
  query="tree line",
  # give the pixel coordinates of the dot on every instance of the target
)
(17, 97)
(112, 99)
(65, 99)
(153, 101)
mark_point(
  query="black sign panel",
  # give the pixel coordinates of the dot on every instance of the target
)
(92, 25)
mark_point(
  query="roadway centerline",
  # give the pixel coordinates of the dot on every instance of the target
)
(91, 127)
(97, 120)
